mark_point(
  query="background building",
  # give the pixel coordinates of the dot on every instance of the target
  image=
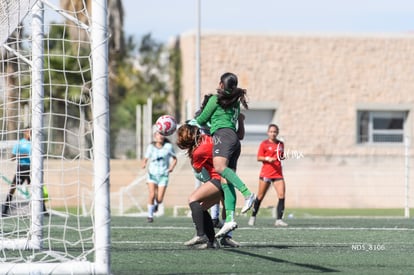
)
(343, 103)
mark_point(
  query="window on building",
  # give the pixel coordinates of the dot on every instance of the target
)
(256, 123)
(381, 126)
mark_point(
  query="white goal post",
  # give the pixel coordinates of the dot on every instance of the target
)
(54, 80)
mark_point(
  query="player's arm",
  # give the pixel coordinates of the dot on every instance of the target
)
(147, 157)
(208, 111)
(240, 128)
(173, 163)
(15, 152)
(13, 157)
(261, 155)
(144, 163)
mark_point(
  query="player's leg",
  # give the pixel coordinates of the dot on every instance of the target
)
(226, 151)
(200, 201)
(215, 214)
(227, 240)
(150, 203)
(263, 188)
(6, 206)
(230, 206)
(25, 177)
(159, 196)
(209, 230)
(280, 188)
(162, 183)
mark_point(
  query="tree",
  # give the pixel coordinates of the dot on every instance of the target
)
(145, 78)
(175, 76)
(13, 95)
(136, 71)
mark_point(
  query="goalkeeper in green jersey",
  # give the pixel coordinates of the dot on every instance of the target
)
(222, 113)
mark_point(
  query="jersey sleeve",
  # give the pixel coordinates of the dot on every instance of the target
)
(208, 111)
(148, 152)
(15, 149)
(171, 151)
(261, 150)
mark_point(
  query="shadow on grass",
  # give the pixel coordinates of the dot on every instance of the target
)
(276, 260)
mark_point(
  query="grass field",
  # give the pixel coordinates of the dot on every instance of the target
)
(349, 245)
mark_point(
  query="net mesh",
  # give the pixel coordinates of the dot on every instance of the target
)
(67, 234)
(11, 13)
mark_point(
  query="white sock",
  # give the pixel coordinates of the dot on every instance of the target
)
(215, 211)
(150, 210)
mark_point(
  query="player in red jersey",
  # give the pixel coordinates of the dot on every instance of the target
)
(199, 148)
(271, 154)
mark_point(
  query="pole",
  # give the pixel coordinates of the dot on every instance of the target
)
(138, 131)
(198, 89)
(197, 57)
(101, 139)
(36, 171)
(407, 176)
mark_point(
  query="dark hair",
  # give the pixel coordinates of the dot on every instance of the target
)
(230, 94)
(187, 138)
(166, 140)
(203, 104)
(229, 81)
(273, 125)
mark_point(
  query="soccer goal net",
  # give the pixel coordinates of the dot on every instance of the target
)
(54, 85)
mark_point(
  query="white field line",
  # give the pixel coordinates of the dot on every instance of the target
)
(274, 228)
(321, 244)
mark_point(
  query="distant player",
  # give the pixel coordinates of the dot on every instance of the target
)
(21, 153)
(271, 154)
(161, 160)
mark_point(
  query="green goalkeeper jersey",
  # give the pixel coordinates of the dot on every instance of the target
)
(219, 117)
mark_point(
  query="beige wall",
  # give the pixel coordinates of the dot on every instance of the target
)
(317, 83)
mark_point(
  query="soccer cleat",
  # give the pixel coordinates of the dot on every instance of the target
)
(280, 223)
(227, 227)
(197, 240)
(229, 242)
(248, 203)
(149, 219)
(252, 221)
(214, 245)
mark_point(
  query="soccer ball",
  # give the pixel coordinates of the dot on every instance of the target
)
(166, 125)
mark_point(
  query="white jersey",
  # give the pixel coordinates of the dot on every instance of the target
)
(159, 158)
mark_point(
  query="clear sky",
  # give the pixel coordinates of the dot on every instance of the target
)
(168, 18)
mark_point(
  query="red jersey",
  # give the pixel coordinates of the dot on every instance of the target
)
(203, 157)
(271, 170)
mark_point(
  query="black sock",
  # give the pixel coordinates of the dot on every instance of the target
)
(198, 217)
(256, 206)
(280, 208)
(9, 198)
(6, 206)
(208, 226)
